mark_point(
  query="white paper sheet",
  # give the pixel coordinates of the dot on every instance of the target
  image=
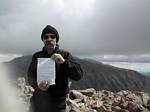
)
(46, 70)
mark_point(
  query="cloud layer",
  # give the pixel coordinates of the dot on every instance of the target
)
(85, 26)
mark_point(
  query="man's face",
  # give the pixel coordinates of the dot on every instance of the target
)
(49, 41)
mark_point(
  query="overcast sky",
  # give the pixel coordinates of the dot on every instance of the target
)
(84, 26)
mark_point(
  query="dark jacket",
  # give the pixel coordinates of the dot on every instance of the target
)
(69, 69)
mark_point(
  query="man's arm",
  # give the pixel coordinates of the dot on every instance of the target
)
(72, 68)
(31, 74)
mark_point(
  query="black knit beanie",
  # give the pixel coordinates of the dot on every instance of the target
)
(50, 29)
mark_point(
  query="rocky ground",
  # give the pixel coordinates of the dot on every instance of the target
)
(90, 100)
(106, 101)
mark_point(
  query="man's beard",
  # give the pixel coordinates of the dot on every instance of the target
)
(50, 47)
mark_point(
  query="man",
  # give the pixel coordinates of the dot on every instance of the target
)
(46, 97)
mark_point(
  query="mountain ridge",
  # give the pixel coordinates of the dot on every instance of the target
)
(96, 75)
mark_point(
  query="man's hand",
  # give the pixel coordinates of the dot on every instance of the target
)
(44, 85)
(28, 91)
(58, 58)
